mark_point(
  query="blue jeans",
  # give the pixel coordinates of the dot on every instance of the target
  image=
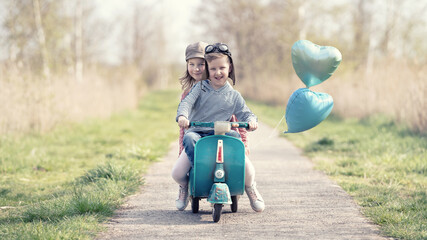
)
(190, 139)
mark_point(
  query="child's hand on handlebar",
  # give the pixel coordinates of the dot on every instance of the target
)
(253, 125)
(183, 122)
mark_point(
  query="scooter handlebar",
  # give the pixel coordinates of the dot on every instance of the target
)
(239, 125)
(212, 124)
(202, 124)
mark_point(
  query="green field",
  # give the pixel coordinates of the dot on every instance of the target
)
(62, 184)
(382, 165)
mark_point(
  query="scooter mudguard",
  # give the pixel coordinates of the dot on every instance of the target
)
(219, 194)
(202, 174)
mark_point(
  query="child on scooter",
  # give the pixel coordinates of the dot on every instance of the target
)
(195, 72)
(214, 99)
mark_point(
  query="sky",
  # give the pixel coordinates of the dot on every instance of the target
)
(177, 22)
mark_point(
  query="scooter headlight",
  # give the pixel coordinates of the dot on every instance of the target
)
(219, 173)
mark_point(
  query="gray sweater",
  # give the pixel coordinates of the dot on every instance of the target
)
(205, 104)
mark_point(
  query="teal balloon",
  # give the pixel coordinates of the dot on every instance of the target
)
(313, 63)
(306, 109)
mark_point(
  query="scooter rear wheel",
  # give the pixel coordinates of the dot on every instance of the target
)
(234, 205)
(195, 204)
(216, 212)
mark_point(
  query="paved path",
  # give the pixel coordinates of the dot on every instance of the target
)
(301, 203)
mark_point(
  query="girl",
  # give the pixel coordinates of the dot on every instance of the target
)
(194, 56)
(216, 107)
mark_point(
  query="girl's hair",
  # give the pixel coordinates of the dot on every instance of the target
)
(212, 56)
(187, 81)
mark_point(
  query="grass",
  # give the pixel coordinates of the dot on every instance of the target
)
(62, 184)
(381, 164)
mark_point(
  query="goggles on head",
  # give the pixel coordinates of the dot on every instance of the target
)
(218, 47)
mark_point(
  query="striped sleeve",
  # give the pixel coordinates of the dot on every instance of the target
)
(181, 130)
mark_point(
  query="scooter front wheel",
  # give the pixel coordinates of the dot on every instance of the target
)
(195, 204)
(216, 212)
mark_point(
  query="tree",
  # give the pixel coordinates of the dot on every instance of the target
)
(78, 32)
(361, 29)
(41, 39)
(34, 31)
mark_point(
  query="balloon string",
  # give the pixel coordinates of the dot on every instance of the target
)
(271, 134)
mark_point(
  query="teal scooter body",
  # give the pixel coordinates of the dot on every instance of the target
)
(221, 182)
(202, 174)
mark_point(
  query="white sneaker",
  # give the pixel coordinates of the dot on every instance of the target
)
(182, 201)
(257, 203)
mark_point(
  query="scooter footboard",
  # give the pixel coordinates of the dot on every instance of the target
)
(202, 174)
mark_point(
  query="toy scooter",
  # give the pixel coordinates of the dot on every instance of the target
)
(218, 173)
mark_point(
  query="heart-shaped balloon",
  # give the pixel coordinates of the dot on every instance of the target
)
(306, 109)
(313, 63)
